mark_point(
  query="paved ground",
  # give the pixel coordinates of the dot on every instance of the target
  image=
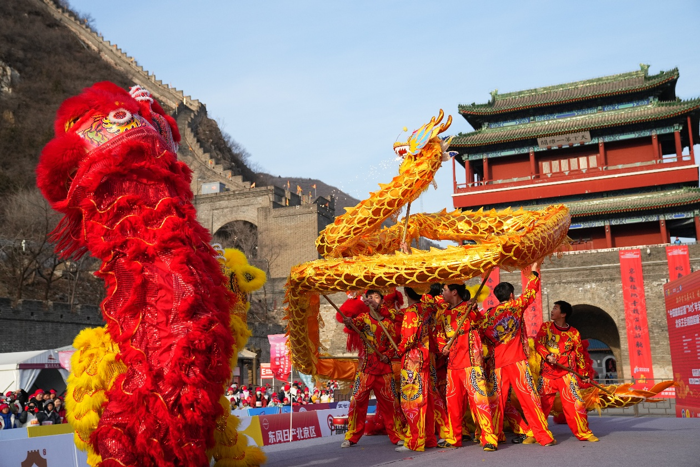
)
(624, 441)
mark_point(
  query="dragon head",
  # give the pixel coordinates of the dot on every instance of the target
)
(420, 138)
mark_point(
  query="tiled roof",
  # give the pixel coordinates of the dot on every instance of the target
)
(628, 203)
(653, 111)
(623, 83)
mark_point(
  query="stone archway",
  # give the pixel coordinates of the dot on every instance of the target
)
(594, 323)
(239, 234)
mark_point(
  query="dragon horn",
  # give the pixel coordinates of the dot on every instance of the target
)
(446, 125)
(439, 117)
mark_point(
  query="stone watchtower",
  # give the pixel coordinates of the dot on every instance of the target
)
(612, 150)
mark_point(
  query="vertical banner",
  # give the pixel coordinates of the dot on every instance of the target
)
(533, 315)
(636, 318)
(492, 282)
(678, 261)
(683, 316)
(280, 363)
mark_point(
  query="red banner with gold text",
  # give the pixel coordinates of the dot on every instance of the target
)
(493, 280)
(533, 315)
(280, 363)
(678, 261)
(636, 318)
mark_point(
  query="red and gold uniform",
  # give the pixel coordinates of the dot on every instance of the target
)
(374, 375)
(415, 394)
(465, 375)
(565, 344)
(502, 327)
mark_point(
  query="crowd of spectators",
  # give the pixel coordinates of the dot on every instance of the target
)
(295, 394)
(18, 409)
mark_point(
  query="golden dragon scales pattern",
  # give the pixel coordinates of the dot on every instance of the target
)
(359, 254)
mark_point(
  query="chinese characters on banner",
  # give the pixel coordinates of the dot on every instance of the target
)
(275, 428)
(280, 363)
(492, 282)
(683, 316)
(636, 318)
(678, 261)
(533, 315)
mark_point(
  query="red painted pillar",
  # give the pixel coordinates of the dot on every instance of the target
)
(608, 235)
(664, 232)
(454, 175)
(533, 165)
(468, 172)
(679, 148)
(655, 147)
(487, 176)
(697, 228)
(602, 157)
(690, 138)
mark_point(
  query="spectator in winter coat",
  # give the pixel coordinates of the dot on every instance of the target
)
(28, 417)
(60, 409)
(8, 420)
(48, 414)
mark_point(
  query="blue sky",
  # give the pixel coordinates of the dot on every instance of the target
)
(321, 89)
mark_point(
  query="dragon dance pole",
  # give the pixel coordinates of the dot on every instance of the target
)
(405, 224)
(572, 371)
(352, 325)
(472, 302)
(386, 333)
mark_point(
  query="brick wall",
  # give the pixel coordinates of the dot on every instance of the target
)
(37, 325)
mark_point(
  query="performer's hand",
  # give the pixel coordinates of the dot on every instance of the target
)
(551, 359)
(404, 247)
(445, 351)
(384, 359)
(347, 321)
(535, 266)
(586, 380)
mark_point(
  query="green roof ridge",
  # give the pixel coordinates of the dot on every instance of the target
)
(649, 80)
(546, 127)
(629, 202)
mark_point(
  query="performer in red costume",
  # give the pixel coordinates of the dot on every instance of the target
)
(503, 326)
(373, 374)
(465, 375)
(415, 393)
(558, 342)
(113, 172)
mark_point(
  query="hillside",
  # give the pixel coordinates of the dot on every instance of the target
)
(43, 63)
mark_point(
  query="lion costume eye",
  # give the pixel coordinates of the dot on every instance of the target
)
(119, 116)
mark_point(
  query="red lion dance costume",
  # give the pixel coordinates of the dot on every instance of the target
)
(112, 170)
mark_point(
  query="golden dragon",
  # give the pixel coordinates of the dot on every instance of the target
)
(359, 254)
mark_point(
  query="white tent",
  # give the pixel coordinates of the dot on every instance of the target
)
(48, 368)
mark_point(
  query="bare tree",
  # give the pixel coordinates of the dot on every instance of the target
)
(27, 221)
(241, 235)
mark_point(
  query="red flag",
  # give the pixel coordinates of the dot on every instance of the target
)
(280, 363)
(492, 282)
(532, 319)
(636, 318)
(678, 261)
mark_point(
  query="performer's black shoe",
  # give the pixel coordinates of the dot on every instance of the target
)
(446, 445)
(466, 438)
(490, 447)
(518, 439)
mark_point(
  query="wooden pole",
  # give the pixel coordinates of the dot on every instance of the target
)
(352, 326)
(388, 336)
(405, 224)
(471, 303)
(566, 368)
